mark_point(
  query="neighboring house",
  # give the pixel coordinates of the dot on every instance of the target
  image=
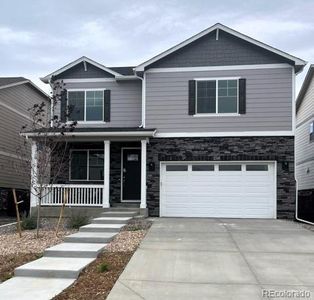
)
(204, 129)
(17, 95)
(305, 148)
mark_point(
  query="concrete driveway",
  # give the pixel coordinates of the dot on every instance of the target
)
(220, 259)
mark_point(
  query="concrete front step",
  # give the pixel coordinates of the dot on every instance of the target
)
(101, 227)
(54, 267)
(111, 220)
(83, 250)
(30, 288)
(122, 208)
(120, 214)
(90, 237)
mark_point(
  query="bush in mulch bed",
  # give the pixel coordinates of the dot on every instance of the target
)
(137, 224)
(92, 283)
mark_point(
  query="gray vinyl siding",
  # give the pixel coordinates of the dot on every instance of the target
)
(305, 148)
(227, 50)
(10, 177)
(19, 98)
(305, 175)
(306, 109)
(269, 102)
(126, 102)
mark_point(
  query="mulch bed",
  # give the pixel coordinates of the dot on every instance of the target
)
(9, 262)
(93, 284)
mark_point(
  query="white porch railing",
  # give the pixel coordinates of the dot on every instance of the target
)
(78, 195)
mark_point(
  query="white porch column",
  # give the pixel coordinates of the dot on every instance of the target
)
(106, 190)
(34, 175)
(143, 174)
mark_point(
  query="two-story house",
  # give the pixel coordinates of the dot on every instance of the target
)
(204, 129)
(304, 140)
(17, 95)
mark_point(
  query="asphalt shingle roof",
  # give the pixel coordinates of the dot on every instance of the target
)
(10, 80)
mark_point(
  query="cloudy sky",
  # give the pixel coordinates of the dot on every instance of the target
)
(38, 37)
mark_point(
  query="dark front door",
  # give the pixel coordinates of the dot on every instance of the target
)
(131, 174)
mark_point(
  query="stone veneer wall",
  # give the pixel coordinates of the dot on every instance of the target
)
(280, 149)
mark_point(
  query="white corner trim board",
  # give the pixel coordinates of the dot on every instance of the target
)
(219, 68)
(223, 134)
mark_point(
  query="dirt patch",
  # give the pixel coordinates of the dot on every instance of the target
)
(93, 284)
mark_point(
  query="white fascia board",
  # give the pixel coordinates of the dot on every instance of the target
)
(297, 60)
(96, 134)
(74, 63)
(219, 68)
(223, 134)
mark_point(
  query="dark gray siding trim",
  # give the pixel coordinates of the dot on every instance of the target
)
(227, 50)
(268, 102)
(78, 72)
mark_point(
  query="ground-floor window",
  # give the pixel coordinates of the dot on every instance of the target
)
(87, 165)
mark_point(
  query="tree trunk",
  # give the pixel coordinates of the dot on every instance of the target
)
(38, 213)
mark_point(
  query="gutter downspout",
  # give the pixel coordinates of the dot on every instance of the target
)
(143, 97)
(51, 105)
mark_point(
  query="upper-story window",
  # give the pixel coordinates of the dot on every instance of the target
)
(86, 106)
(217, 96)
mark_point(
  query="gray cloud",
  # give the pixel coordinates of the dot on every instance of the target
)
(37, 37)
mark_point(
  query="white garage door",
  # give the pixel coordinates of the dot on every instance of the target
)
(228, 190)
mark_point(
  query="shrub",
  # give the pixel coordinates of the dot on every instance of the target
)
(76, 221)
(28, 222)
(103, 267)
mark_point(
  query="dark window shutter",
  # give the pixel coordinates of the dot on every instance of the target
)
(242, 96)
(192, 97)
(63, 106)
(107, 105)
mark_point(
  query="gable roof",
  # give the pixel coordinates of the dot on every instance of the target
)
(4, 81)
(74, 63)
(305, 86)
(7, 82)
(297, 61)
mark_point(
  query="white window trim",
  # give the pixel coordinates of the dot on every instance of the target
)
(216, 114)
(87, 90)
(70, 164)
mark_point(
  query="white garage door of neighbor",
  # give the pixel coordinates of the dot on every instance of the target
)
(225, 190)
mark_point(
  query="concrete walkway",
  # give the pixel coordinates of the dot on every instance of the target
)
(48, 276)
(219, 259)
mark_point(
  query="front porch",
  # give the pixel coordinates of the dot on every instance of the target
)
(99, 175)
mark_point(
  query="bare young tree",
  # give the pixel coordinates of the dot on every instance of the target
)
(46, 134)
